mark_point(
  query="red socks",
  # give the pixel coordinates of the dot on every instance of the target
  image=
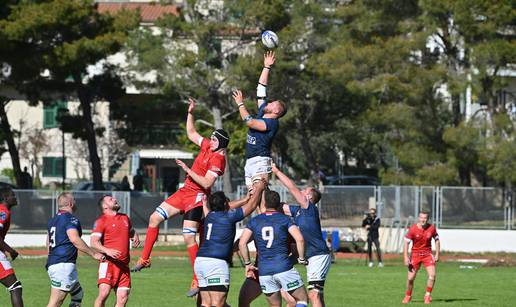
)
(428, 290)
(150, 239)
(408, 292)
(192, 252)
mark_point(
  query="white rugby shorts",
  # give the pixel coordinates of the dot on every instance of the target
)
(211, 272)
(62, 276)
(288, 281)
(256, 166)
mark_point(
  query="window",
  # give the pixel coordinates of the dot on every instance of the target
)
(50, 114)
(53, 166)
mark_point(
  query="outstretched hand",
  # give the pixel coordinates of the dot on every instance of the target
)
(238, 97)
(182, 165)
(274, 168)
(191, 106)
(269, 58)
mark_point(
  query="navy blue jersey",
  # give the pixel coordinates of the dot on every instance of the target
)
(219, 234)
(270, 232)
(308, 222)
(61, 250)
(259, 142)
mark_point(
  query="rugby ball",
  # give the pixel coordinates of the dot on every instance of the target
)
(270, 39)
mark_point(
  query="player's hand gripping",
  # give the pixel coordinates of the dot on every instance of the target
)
(274, 168)
(268, 59)
(250, 271)
(113, 253)
(99, 256)
(238, 97)
(191, 106)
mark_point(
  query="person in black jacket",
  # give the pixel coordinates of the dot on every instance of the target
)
(372, 223)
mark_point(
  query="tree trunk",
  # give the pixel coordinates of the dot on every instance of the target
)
(226, 178)
(13, 150)
(87, 121)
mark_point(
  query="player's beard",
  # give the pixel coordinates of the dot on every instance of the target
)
(116, 207)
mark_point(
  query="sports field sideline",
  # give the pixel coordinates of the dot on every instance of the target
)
(350, 283)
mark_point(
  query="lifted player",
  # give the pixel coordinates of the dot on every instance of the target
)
(306, 216)
(270, 232)
(63, 240)
(208, 165)
(211, 264)
(7, 276)
(110, 236)
(421, 235)
(262, 128)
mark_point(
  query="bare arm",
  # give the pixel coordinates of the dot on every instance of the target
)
(405, 251)
(300, 241)
(190, 124)
(256, 197)
(437, 249)
(242, 245)
(73, 236)
(205, 181)
(96, 244)
(205, 209)
(286, 210)
(239, 202)
(135, 238)
(291, 186)
(252, 123)
(7, 248)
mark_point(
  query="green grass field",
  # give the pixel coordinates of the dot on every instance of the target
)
(350, 283)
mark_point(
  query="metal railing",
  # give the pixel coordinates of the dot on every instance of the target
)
(340, 206)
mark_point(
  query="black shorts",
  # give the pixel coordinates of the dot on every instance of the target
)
(194, 215)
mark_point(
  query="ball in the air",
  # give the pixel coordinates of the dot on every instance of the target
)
(270, 39)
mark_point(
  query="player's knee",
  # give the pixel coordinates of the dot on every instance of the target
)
(431, 277)
(314, 295)
(189, 234)
(15, 286)
(157, 217)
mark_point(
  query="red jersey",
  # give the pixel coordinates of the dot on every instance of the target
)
(5, 220)
(114, 233)
(422, 238)
(206, 161)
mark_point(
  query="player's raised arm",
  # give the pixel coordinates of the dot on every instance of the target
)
(300, 243)
(205, 181)
(256, 198)
(291, 186)
(261, 90)
(73, 236)
(193, 135)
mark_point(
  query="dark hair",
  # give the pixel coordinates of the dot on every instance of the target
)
(425, 212)
(4, 193)
(217, 201)
(272, 200)
(316, 195)
(101, 200)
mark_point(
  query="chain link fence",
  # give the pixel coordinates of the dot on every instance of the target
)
(340, 207)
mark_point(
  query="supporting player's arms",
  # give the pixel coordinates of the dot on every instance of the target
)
(190, 124)
(250, 122)
(73, 236)
(96, 244)
(256, 197)
(205, 208)
(300, 241)
(291, 186)
(204, 181)
(7, 248)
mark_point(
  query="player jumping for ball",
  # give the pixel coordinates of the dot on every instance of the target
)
(208, 165)
(421, 235)
(262, 128)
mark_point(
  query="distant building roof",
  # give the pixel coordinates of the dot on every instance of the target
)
(149, 12)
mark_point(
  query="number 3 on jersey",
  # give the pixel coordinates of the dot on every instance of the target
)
(268, 235)
(52, 237)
